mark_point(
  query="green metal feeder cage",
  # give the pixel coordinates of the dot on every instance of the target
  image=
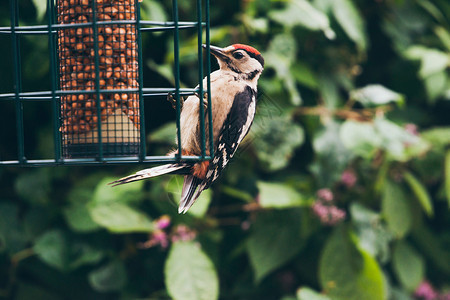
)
(97, 93)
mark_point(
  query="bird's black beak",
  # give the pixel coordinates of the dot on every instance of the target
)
(217, 52)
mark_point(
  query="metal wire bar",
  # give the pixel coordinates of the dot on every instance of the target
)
(54, 32)
(46, 95)
(14, 11)
(208, 80)
(200, 79)
(143, 149)
(87, 24)
(97, 80)
(106, 161)
(176, 53)
(53, 79)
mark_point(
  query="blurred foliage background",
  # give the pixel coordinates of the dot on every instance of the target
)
(340, 191)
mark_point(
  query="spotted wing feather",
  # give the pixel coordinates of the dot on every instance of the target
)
(234, 129)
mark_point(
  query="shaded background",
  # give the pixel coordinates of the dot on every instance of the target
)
(340, 191)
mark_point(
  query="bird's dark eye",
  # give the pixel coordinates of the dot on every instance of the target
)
(238, 55)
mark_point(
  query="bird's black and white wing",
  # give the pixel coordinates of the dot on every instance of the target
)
(235, 128)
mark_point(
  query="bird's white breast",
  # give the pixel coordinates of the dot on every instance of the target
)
(224, 87)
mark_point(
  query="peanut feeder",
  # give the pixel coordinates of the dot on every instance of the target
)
(104, 47)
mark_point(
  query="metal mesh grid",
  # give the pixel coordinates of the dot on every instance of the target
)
(98, 47)
(114, 51)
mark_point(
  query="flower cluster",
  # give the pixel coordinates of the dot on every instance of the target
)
(183, 233)
(162, 236)
(328, 213)
(425, 291)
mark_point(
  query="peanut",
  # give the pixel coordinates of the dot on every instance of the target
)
(117, 62)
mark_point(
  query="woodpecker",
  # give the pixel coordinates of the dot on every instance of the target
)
(233, 99)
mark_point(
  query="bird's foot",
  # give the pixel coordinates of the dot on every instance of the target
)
(205, 99)
(173, 101)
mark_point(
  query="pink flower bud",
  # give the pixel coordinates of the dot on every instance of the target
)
(411, 128)
(325, 195)
(328, 214)
(160, 238)
(163, 222)
(348, 178)
(183, 233)
(245, 225)
(425, 291)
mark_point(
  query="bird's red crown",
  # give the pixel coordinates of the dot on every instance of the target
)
(246, 48)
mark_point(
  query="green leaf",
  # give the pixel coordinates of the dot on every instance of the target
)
(444, 36)
(361, 138)
(304, 75)
(56, 249)
(275, 139)
(431, 60)
(433, 10)
(41, 8)
(434, 247)
(279, 56)
(34, 186)
(436, 85)
(393, 138)
(78, 218)
(376, 94)
(83, 254)
(332, 153)
(305, 293)
(52, 248)
(420, 192)
(275, 239)
(447, 176)
(109, 278)
(258, 24)
(399, 144)
(154, 10)
(437, 136)
(365, 139)
(329, 90)
(105, 193)
(349, 18)
(120, 218)
(12, 235)
(200, 206)
(373, 235)
(36, 221)
(278, 195)
(349, 273)
(302, 13)
(409, 266)
(190, 274)
(396, 209)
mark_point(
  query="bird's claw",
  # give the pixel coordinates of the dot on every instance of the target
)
(173, 101)
(205, 99)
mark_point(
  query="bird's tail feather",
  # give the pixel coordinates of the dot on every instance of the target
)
(189, 186)
(152, 172)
